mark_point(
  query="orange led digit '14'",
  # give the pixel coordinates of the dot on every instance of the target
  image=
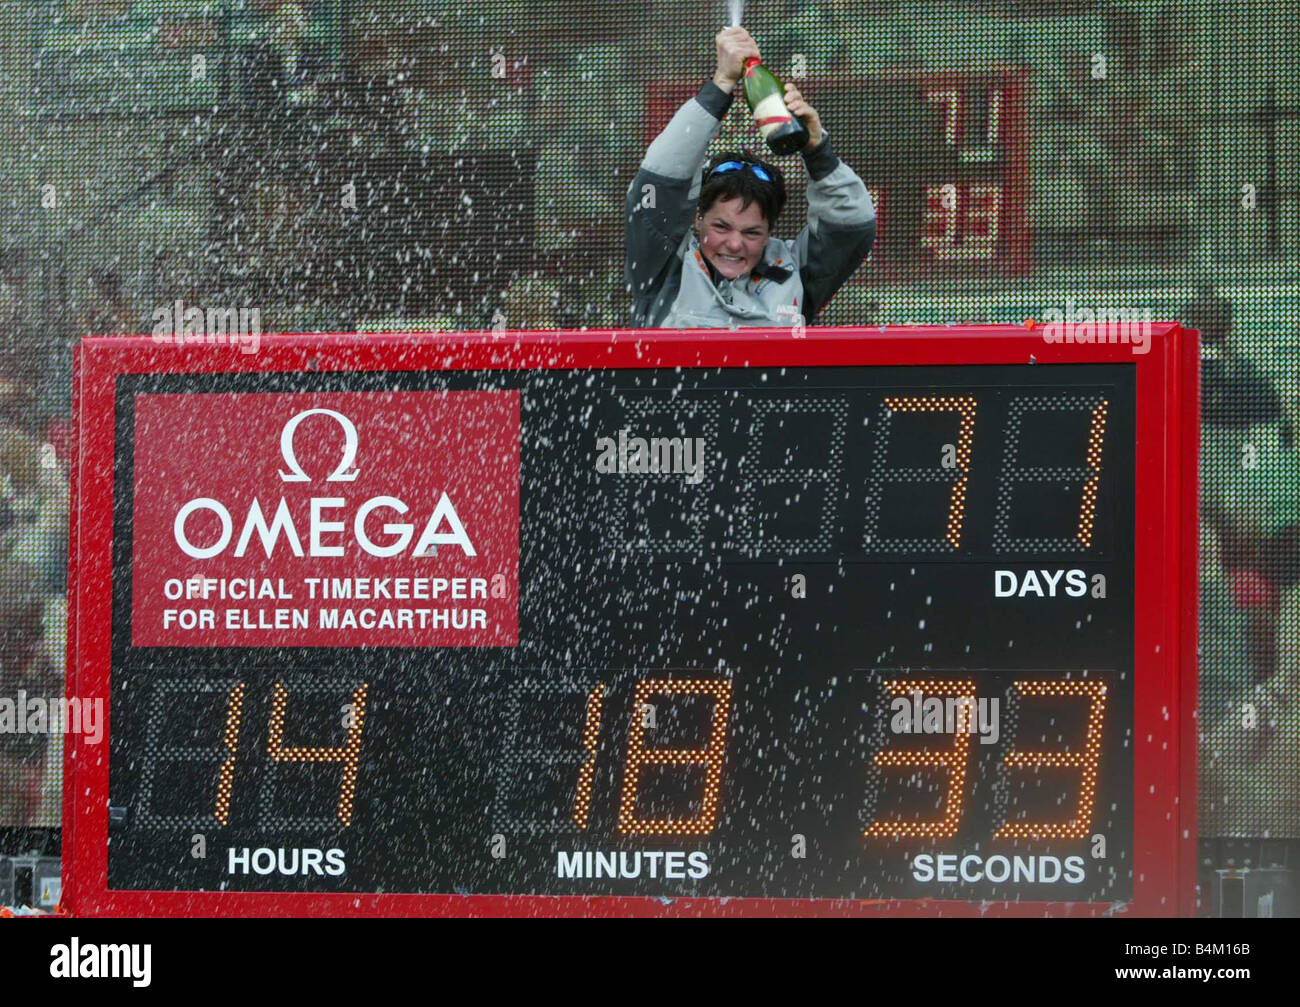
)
(348, 754)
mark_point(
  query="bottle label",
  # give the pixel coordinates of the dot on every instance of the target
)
(770, 113)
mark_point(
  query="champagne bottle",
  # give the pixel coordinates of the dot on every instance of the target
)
(781, 128)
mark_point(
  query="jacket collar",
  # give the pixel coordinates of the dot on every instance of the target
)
(770, 271)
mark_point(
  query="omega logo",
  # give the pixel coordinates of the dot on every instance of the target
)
(340, 474)
(443, 527)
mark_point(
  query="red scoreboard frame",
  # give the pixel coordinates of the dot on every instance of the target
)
(1165, 587)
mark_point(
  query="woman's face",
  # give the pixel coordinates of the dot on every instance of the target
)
(732, 238)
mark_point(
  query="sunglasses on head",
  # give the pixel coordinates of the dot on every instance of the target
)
(727, 166)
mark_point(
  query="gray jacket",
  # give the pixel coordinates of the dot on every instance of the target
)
(666, 274)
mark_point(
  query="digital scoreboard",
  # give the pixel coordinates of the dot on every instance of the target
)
(871, 621)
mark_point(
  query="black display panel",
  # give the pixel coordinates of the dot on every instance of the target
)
(721, 681)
